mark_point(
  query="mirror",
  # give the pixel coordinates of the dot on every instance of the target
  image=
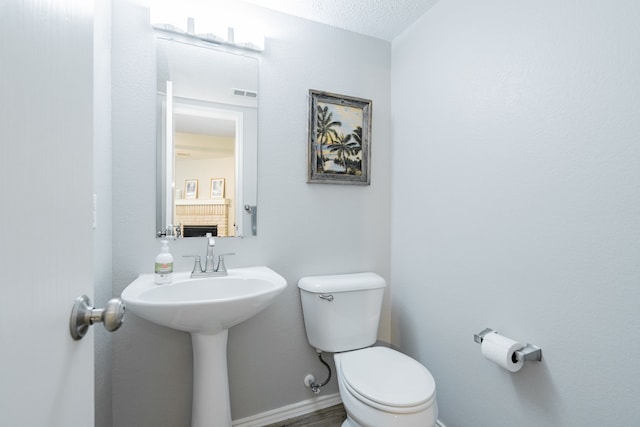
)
(207, 119)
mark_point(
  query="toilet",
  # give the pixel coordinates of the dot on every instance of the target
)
(379, 386)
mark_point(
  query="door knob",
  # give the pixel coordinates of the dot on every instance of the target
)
(84, 315)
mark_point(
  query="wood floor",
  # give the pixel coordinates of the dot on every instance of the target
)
(332, 416)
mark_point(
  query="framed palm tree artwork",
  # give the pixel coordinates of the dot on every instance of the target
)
(339, 139)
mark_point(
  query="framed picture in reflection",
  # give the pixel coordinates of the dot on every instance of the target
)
(217, 188)
(191, 189)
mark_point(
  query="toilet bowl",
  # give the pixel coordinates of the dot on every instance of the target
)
(379, 386)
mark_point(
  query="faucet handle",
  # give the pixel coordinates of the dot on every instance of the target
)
(221, 267)
(210, 240)
(197, 265)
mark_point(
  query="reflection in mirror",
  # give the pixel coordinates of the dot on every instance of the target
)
(207, 140)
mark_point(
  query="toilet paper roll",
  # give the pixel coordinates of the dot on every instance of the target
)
(501, 351)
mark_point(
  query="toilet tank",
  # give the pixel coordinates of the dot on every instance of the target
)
(341, 312)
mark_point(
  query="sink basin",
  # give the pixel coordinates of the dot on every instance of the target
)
(206, 308)
(206, 305)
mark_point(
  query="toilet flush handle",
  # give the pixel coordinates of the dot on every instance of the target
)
(327, 297)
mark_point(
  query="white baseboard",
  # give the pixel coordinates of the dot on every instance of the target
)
(287, 412)
(294, 410)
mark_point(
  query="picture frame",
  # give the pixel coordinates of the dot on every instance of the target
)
(191, 189)
(217, 188)
(333, 157)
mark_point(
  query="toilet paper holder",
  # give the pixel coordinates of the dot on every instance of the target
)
(528, 352)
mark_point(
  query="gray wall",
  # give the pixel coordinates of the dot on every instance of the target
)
(303, 229)
(515, 142)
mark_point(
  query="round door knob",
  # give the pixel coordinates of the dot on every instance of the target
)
(84, 315)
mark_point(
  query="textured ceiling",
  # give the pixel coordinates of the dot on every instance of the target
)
(384, 19)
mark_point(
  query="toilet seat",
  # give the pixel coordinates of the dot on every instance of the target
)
(387, 380)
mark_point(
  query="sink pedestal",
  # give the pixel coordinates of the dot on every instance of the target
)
(211, 407)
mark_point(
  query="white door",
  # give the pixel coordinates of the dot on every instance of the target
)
(46, 378)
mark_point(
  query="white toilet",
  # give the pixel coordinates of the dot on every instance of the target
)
(379, 387)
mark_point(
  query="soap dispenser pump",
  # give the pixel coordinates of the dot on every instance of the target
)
(164, 265)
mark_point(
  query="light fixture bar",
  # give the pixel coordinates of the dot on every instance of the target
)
(211, 38)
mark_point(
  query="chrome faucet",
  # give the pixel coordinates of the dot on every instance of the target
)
(208, 264)
(209, 269)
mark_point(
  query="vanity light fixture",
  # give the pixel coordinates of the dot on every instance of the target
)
(165, 18)
(254, 45)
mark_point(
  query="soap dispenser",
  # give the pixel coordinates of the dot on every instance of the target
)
(164, 265)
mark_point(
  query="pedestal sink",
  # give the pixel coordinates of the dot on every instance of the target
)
(207, 308)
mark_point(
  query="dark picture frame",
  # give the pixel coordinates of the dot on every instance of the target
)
(339, 139)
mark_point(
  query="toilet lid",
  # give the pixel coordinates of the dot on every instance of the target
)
(387, 377)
